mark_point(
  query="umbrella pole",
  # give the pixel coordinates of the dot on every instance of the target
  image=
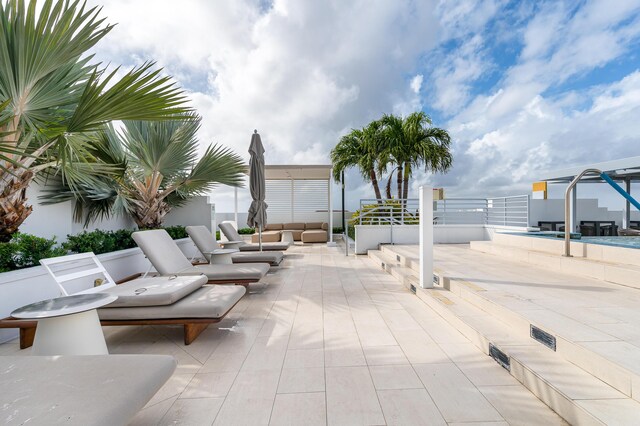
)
(260, 237)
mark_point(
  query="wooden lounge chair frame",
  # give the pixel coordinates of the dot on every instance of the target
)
(192, 327)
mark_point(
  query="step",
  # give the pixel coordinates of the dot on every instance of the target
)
(388, 263)
(576, 395)
(617, 273)
(612, 361)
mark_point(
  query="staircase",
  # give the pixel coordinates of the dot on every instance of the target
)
(569, 366)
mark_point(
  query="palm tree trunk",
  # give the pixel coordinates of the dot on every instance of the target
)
(399, 177)
(150, 213)
(13, 201)
(388, 188)
(405, 183)
(374, 182)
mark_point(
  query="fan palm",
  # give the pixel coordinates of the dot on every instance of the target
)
(57, 101)
(158, 169)
(358, 149)
(412, 142)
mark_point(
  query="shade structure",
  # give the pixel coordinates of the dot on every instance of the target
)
(258, 210)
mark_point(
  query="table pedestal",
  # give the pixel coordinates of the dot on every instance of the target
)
(75, 334)
(286, 237)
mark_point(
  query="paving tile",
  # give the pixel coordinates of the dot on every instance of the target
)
(223, 362)
(385, 355)
(351, 397)
(394, 377)
(343, 350)
(613, 411)
(518, 406)
(173, 388)
(201, 411)
(299, 409)
(153, 415)
(267, 353)
(409, 407)
(252, 389)
(419, 347)
(304, 358)
(455, 396)
(209, 385)
(295, 380)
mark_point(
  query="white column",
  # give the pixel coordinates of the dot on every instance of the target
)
(426, 236)
(292, 200)
(330, 208)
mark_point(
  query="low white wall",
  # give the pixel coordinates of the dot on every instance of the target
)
(25, 286)
(368, 237)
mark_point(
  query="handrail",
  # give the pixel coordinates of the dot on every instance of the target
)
(567, 209)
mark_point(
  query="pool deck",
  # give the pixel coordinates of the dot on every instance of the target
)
(329, 339)
(596, 324)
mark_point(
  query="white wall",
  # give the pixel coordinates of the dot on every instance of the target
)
(197, 211)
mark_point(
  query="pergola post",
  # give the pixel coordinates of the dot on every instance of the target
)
(330, 243)
(626, 211)
(426, 236)
(235, 209)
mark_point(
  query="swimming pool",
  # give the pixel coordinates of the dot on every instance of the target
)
(630, 242)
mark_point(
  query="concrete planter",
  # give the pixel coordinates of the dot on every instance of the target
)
(24, 286)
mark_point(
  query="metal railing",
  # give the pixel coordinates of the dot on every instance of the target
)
(498, 211)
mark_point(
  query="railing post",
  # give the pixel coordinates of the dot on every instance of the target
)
(426, 237)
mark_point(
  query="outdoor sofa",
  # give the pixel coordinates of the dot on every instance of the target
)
(86, 390)
(207, 244)
(232, 235)
(167, 258)
(310, 232)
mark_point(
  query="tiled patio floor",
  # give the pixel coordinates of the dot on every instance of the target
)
(328, 340)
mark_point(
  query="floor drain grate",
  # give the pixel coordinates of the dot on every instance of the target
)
(500, 357)
(413, 289)
(543, 337)
(398, 257)
(435, 279)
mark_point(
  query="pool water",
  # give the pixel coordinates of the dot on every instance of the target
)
(630, 242)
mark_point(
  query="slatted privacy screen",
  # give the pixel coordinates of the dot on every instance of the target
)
(294, 198)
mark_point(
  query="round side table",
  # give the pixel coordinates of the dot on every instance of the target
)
(67, 325)
(222, 256)
(286, 237)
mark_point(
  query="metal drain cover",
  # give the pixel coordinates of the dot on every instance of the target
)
(543, 337)
(500, 357)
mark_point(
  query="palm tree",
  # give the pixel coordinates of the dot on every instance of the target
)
(159, 169)
(57, 100)
(359, 148)
(412, 142)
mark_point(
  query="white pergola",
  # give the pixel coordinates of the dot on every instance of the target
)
(624, 171)
(293, 191)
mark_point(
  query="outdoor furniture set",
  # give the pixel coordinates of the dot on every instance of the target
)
(310, 232)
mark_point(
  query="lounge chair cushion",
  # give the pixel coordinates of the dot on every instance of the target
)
(154, 291)
(279, 246)
(271, 257)
(202, 238)
(229, 273)
(230, 232)
(162, 251)
(92, 390)
(207, 302)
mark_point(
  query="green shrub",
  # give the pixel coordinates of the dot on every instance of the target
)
(337, 230)
(246, 231)
(25, 250)
(177, 232)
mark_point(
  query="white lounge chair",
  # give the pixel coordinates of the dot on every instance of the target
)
(206, 243)
(177, 300)
(232, 235)
(168, 259)
(87, 390)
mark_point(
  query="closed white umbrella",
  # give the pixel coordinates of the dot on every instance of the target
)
(258, 211)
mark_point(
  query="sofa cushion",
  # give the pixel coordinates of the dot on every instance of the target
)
(154, 291)
(325, 226)
(210, 301)
(273, 227)
(314, 236)
(267, 237)
(293, 226)
(313, 225)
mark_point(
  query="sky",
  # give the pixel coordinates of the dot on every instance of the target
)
(521, 86)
